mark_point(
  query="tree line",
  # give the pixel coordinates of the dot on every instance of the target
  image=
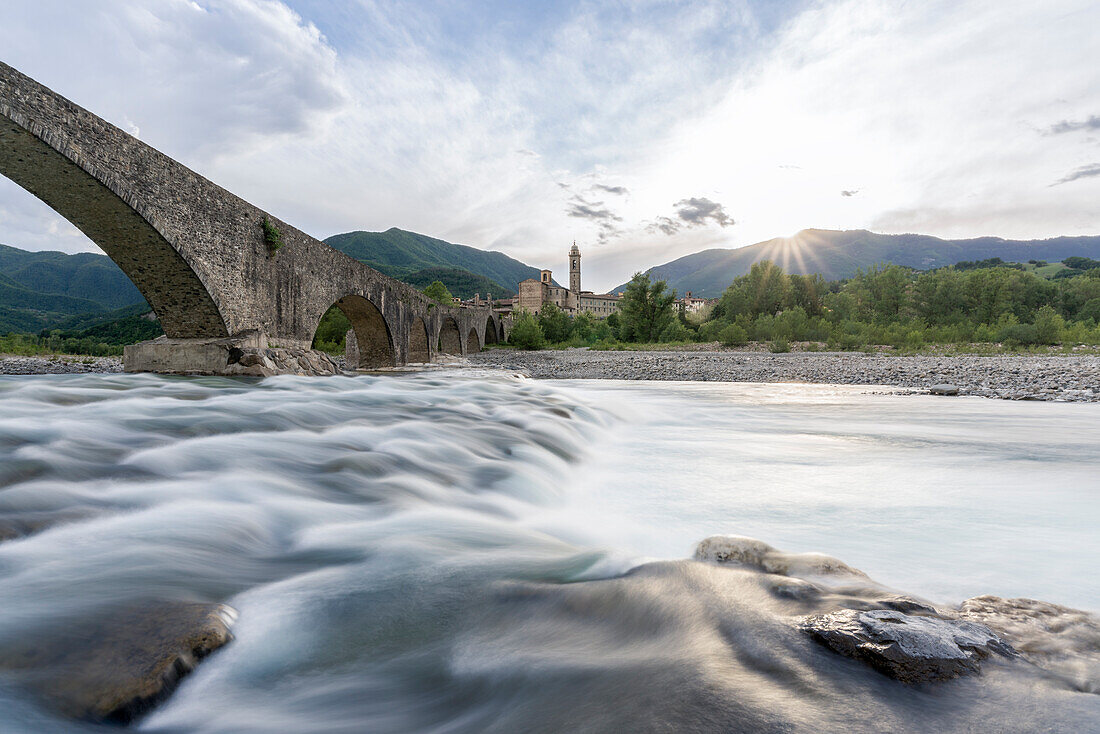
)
(994, 303)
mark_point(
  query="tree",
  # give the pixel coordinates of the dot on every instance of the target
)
(1048, 326)
(438, 292)
(526, 332)
(733, 336)
(646, 309)
(582, 327)
(554, 323)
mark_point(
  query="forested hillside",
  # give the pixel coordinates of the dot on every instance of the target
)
(400, 254)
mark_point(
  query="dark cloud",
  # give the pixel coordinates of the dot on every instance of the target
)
(849, 192)
(663, 224)
(597, 213)
(1071, 126)
(617, 190)
(1082, 172)
(693, 212)
(697, 211)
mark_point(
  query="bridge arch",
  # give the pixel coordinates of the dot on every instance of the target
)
(418, 341)
(473, 342)
(450, 338)
(374, 342)
(492, 335)
(114, 218)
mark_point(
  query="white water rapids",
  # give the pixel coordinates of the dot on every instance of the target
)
(446, 551)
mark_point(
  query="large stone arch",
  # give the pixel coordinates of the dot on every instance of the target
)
(419, 350)
(473, 341)
(44, 163)
(374, 345)
(450, 338)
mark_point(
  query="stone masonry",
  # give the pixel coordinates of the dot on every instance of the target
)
(198, 253)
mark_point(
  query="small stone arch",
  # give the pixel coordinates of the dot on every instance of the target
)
(450, 338)
(418, 341)
(473, 343)
(491, 334)
(373, 341)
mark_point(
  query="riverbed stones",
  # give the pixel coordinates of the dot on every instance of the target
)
(944, 389)
(1060, 639)
(909, 648)
(116, 667)
(1062, 377)
(742, 551)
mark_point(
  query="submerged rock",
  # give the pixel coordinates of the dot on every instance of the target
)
(909, 648)
(1061, 640)
(117, 668)
(739, 550)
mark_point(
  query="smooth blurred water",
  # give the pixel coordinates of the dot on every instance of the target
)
(371, 531)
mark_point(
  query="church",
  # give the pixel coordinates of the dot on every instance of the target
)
(534, 294)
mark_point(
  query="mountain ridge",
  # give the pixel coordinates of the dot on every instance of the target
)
(397, 253)
(837, 254)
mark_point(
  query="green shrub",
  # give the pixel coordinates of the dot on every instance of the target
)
(273, 238)
(526, 332)
(1016, 335)
(779, 346)
(1048, 326)
(733, 336)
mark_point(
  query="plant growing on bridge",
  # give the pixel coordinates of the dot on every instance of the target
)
(273, 238)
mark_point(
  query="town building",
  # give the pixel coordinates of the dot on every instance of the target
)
(534, 294)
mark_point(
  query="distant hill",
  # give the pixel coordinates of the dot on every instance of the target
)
(402, 254)
(461, 283)
(46, 290)
(84, 275)
(837, 254)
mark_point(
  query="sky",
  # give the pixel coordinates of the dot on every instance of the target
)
(644, 130)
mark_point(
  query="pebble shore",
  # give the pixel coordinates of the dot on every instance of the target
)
(1073, 378)
(64, 364)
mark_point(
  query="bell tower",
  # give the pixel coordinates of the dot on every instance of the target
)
(575, 270)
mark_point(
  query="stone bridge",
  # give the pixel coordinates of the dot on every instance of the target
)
(233, 296)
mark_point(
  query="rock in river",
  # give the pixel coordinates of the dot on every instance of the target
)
(121, 665)
(912, 649)
(944, 389)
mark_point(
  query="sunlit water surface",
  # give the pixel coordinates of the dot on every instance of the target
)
(365, 527)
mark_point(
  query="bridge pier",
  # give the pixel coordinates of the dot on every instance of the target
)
(245, 355)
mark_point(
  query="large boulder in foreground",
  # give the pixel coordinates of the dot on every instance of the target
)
(910, 648)
(120, 666)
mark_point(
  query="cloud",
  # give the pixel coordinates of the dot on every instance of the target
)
(1082, 172)
(849, 192)
(1068, 126)
(663, 224)
(597, 213)
(690, 213)
(697, 211)
(617, 190)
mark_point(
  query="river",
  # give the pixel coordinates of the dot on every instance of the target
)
(445, 551)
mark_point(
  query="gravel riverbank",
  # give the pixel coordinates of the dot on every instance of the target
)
(62, 364)
(1009, 376)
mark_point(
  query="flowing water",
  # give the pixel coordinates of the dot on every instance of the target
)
(452, 551)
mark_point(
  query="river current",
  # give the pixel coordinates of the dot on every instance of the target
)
(463, 551)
